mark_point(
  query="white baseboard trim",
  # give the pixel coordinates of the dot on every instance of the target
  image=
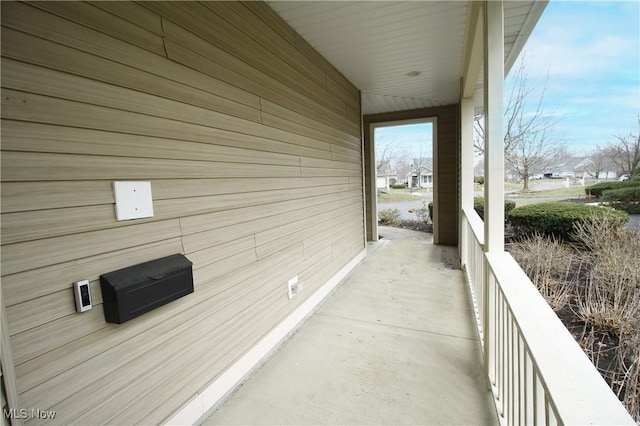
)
(217, 392)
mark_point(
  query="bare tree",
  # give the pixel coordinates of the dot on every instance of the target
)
(530, 140)
(388, 151)
(625, 152)
(598, 162)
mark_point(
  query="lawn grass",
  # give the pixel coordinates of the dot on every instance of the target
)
(571, 192)
(395, 195)
(521, 198)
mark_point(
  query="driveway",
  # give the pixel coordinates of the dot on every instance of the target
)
(405, 206)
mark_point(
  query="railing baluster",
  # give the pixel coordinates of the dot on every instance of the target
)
(529, 391)
(517, 329)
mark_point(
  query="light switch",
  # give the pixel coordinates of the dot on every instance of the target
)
(133, 200)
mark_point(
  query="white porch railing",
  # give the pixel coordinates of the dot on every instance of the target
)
(537, 371)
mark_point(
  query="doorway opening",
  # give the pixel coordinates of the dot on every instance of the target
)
(404, 173)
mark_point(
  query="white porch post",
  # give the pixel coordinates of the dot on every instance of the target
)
(466, 171)
(494, 139)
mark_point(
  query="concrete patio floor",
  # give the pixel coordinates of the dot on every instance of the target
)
(395, 344)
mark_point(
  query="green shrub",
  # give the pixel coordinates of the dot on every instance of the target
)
(626, 199)
(559, 219)
(597, 189)
(388, 216)
(430, 207)
(479, 180)
(478, 206)
(399, 186)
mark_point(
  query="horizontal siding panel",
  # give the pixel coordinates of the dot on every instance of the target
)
(39, 282)
(18, 166)
(38, 224)
(272, 19)
(192, 86)
(204, 222)
(120, 55)
(208, 59)
(134, 13)
(275, 21)
(36, 22)
(178, 188)
(195, 242)
(355, 183)
(355, 151)
(298, 232)
(216, 253)
(244, 331)
(48, 337)
(350, 135)
(34, 108)
(300, 225)
(117, 350)
(317, 171)
(227, 202)
(344, 157)
(210, 272)
(29, 78)
(27, 137)
(26, 226)
(302, 130)
(208, 25)
(22, 257)
(26, 196)
(321, 241)
(316, 162)
(248, 23)
(239, 334)
(36, 312)
(96, 18)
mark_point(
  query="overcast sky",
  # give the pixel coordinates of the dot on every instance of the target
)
(591, 53)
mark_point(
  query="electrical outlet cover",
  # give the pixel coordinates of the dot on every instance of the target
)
(293, 287)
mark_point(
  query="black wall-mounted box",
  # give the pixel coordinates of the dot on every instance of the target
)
(133, 291)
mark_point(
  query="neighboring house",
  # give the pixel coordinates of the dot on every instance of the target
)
(421, 175)
(384, 176)
(571, 167)
(253, 155)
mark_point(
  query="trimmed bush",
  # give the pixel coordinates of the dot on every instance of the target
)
(478, 206)
(559, 219)
(597, 189)
(479, 180)
(388, 216)
(399, 186)
(626, 199)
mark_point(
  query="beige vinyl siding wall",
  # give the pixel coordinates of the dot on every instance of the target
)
(252, 144)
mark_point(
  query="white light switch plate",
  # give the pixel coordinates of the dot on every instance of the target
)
(133, 200)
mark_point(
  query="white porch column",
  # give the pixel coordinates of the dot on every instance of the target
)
(494, 138)
(466, 170)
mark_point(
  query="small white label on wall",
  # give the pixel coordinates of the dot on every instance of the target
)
(133, 200)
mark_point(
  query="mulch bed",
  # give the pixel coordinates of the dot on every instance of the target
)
(413, 225)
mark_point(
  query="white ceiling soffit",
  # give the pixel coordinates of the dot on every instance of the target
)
(401, 54)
